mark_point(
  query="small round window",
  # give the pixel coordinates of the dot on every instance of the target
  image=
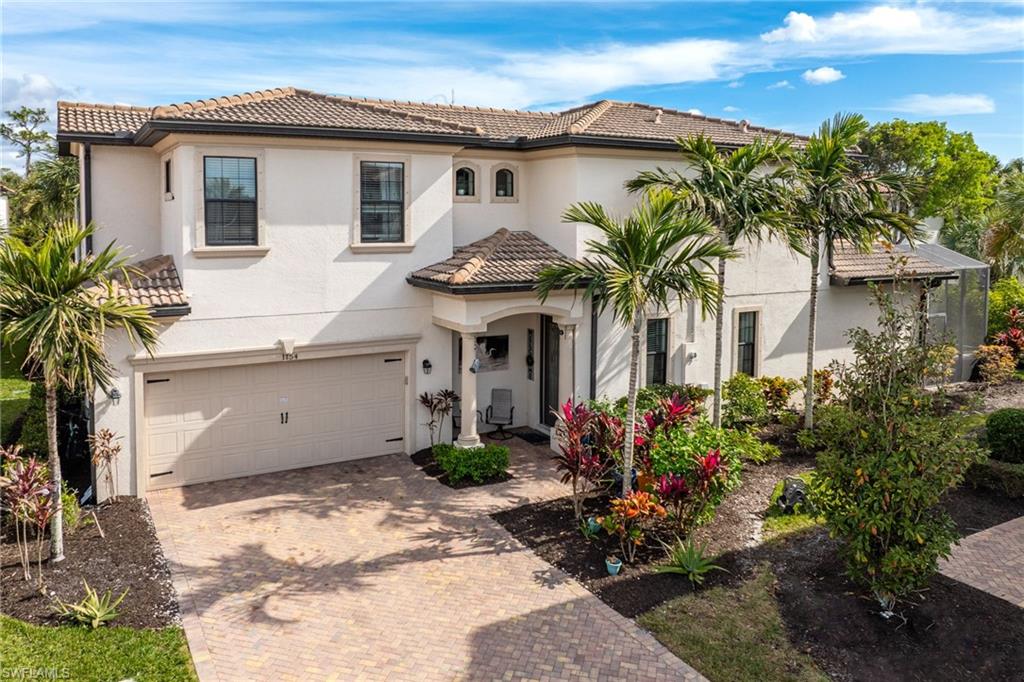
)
(503, 183)
(465, 182)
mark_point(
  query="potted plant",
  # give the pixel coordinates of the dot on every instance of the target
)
(592, 524)
(613, 564)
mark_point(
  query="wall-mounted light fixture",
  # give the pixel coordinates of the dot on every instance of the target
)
(114, 395)
(474, 367)
(427, 367)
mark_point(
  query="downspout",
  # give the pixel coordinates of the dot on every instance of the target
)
(593, 351)
(87, 191)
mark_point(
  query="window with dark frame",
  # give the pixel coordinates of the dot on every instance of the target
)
(167, 176)
(504, 183)
(465, 182)
(746, 344)
(657, 351)
(381, 201)
(231, 216)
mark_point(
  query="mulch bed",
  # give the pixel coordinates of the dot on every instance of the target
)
(424, 459)
(993, 397)
(129, 557)
(952, 631)
(549, 530)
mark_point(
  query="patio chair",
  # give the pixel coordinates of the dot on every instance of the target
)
(500, 412)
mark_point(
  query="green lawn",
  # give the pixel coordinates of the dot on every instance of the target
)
(732, 634)
(14, 389)
(103, 655)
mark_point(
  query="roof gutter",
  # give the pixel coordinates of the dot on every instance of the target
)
(932, 279)
(87, 191)
(469, 289)
(171, 311)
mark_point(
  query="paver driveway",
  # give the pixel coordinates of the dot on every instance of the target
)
(992, 560)
(370, 570)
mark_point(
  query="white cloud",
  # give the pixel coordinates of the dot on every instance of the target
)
(32, 90)
(822, 75)
(695, 112)
(780, 85)
(943, 105)
(730, 109)
(896, 30)
(735, 84)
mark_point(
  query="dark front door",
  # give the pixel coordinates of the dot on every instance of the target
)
(549, 336)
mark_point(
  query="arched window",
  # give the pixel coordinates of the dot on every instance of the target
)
(465, 182)
(504, 183)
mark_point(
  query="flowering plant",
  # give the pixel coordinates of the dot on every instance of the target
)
(629, 517)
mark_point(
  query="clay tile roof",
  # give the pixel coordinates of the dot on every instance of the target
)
(853, 266)
(154, 283)
(303, 108)
(506, 258)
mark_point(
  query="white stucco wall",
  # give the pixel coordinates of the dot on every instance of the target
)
(125, 198)
(311, 287)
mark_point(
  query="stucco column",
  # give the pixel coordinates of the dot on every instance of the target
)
(468, 438)
(567, 363)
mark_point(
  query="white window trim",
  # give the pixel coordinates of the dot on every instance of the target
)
(355, 243)
(473, 198)
(200, 249)
(517, 185)
(758, 340)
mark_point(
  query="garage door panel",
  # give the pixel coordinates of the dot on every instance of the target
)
(203, 425)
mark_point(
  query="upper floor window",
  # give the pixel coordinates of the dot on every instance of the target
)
(504, 183)
(657, 351)
(465, 182)
(229, 197)
(505, 188)
(381, 201)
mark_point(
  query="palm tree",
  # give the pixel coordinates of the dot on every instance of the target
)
(61, 307)
(643, 261)
(1004, 242)
(741, 193)
(838, 200)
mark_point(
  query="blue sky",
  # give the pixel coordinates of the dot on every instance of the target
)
(781, 64)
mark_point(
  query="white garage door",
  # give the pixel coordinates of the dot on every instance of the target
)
(209, 424)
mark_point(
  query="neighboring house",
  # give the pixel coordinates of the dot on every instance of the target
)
(317, 262)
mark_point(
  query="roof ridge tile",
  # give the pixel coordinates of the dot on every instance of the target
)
(170, 110)
(484, 248)
(596, 111)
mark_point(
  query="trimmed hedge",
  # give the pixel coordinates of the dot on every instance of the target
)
(1004, 431)
(1004, 478)
(478, 464)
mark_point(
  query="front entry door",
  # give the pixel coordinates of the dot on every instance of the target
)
(549, 339)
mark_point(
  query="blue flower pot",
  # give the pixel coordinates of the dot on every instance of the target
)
(592, 525)
(613, 565)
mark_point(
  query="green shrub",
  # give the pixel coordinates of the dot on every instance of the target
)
(689, 559)
(71, 511)
(888, 454)
(743, 402)
(1005, 294)
(648, 397)
(477, 464)
(687, 442)
(1004, 432)
(33, 430)
(778, 391)
(1004, 478)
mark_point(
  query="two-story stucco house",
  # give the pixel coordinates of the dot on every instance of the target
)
(316, 262)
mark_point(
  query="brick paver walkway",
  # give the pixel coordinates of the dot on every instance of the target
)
(370, 570)
(992, 560)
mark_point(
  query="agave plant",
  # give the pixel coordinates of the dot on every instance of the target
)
(688, 559)
(94, 610)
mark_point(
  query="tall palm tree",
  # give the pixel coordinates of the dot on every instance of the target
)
(61, 307)
(837, 200)
(742, 193)
(1004, 242)
(642, 261)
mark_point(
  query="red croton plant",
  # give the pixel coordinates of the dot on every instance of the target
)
(1013, 337)
(688, 498)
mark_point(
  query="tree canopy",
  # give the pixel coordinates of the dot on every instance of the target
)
(957, 179)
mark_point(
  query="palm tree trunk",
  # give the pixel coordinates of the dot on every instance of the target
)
(716, 412)
(811, 322)
(634, 369)
(53, 462)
